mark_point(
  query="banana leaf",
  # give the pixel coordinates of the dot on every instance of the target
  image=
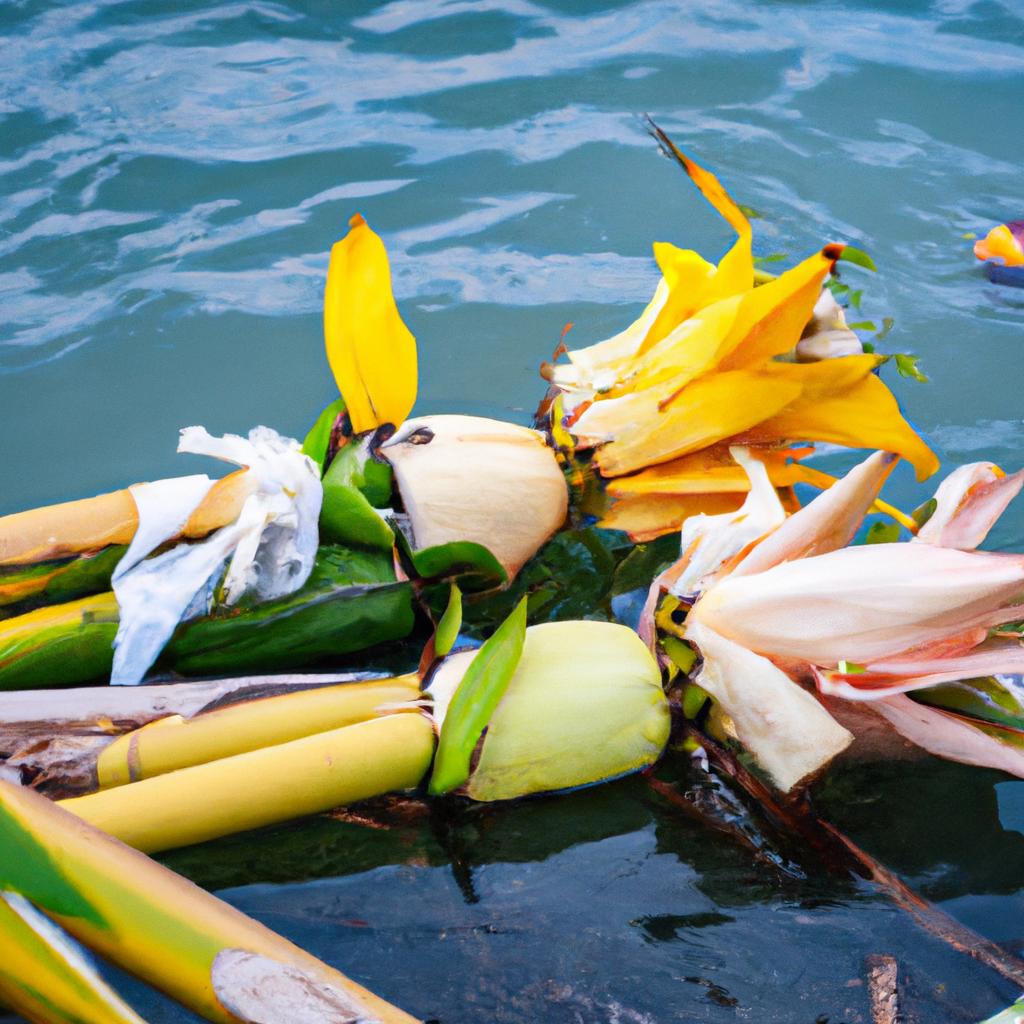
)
(351, 601)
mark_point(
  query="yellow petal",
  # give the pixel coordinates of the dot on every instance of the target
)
(736, 269)
(371, 352)
(864, 415)
(772, 317)
(711, 471)
(707, 411)
(692, 348)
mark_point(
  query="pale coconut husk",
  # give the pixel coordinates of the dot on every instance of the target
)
(465, 478)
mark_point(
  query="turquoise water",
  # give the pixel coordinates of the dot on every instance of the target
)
(172, 175)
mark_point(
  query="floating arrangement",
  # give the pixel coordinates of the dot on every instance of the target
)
(775, 635)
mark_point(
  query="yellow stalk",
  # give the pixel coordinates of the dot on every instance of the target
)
(142, 917)
(175, 742)
(264, 787)
(44, 977)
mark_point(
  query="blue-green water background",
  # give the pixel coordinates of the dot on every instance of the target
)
(172, 175)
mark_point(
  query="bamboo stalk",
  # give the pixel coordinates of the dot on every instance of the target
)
(264, 787)
(177, 742)
(44, 977)
(161, 928)
(56, 744)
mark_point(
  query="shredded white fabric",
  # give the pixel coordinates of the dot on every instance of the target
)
(271, 545)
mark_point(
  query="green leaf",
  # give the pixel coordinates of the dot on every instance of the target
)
(347, 516)
(863, 325)
(683, 656)
(855, 298)
(450, 624)
(849, 668)
(858, 257)
(475, 566)
(924, 511)
(985, 700)
(318, 439)
(883, 533)
(906, 366)
(473, 703)
(887, 325)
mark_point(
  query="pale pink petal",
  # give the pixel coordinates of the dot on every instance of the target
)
(883, 679)
(970, 500)
(710, 541)
(864, 603)
(946, 735)
(783, 727)
(825, 524)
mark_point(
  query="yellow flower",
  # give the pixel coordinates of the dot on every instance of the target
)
(371, 351)
(713, 361)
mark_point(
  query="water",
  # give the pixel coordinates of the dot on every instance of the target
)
(172, 175)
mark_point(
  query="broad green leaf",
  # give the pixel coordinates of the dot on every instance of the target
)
(887, 325)
(863, 325)
(318, 439)
(474, 701)
(347, 516)
(475, 566)
(451, 622)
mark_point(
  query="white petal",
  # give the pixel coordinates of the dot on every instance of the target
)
(784, 727)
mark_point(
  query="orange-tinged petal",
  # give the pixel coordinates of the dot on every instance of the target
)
(371, 352)
(710, 471)
(1000, 244)
(864, 415)
(736, 269)
(707, 411)
(647, 516)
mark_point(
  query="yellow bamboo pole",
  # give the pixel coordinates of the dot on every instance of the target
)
(264, 787)
(175, 742)
(45, 978)
(150, 921)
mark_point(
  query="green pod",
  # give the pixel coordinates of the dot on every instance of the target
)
(351, 601)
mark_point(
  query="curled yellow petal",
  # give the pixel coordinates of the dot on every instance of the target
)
(707, 411)
(371, 351)
(864, 415)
